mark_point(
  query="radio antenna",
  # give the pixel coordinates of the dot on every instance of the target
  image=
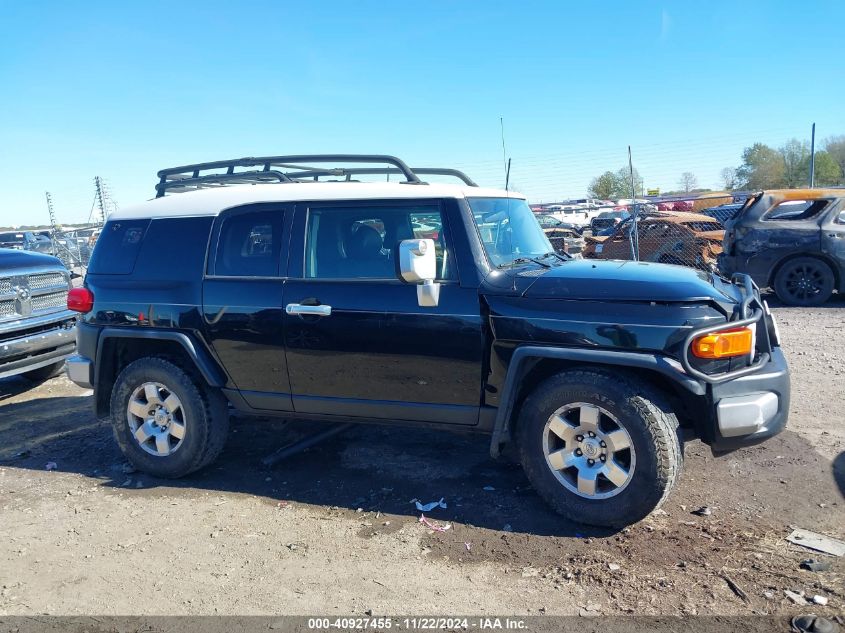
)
(505, 161)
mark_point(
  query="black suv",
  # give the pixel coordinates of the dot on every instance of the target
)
(404, 302)
(792, 241)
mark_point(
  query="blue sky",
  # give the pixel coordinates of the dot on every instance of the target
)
(122, 89)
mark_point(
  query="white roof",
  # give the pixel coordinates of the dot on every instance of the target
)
(213, 201)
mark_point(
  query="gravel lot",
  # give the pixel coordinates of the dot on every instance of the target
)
(332, 531)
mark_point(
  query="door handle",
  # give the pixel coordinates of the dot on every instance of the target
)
(302, 310)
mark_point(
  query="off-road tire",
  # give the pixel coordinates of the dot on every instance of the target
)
(645, 415)
(826, 281)
(206, 411)
(44, 373)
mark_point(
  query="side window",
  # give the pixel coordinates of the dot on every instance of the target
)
(840, 219)
(359, 242)
(118, 247)
(795, 210)
(249, 245)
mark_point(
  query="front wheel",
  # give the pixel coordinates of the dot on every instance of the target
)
(804, 281)
(600, 448)
(167, 422)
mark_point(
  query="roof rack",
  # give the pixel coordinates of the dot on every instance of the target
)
(287, 169)
(348, 172)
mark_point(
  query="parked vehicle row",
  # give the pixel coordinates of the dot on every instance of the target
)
(75, 244)
(686, 239)
(565, 238)
(25, 241)
(791, 241)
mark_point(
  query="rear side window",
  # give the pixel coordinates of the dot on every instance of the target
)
(249, 245)
(795, 210)
(174, 249)
(117, 247)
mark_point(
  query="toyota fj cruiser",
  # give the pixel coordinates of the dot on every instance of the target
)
(36, 328)
(264, 287)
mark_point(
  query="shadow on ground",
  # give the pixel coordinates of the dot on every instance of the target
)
(382, 468)
(839, 472)
(835, 301)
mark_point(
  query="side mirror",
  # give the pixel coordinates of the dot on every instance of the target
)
(416, 263)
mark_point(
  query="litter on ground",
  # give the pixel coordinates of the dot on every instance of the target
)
(428, 507)
(818, 542)
(434, 526)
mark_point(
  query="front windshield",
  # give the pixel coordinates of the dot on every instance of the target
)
(509, 230)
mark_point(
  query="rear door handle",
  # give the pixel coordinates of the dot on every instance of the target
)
(302, 310)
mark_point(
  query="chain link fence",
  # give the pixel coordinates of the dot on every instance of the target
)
(680, 230)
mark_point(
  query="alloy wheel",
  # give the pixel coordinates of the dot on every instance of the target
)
(156, 418)
(588, 450)
(804, 281)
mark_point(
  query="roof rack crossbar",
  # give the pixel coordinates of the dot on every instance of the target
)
(316, 173)
(167, 182)
(200, 182)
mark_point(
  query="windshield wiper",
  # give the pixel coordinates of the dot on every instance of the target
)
(525, 260)
(564, 257)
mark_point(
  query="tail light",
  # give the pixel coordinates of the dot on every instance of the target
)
(80, 300)
(724, 344)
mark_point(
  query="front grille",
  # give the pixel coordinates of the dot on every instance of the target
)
(45, 280)
(34, 293)
(52, 300)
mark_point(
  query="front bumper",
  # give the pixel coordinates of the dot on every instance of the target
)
(49, 344)
(751, 408)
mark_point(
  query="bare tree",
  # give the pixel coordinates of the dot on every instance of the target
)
(688, 181)
(728, 175)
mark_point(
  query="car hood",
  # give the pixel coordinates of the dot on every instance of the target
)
(715, 236)
(11, 258)
(612, 280)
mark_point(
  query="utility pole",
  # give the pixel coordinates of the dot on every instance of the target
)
(635, 237)
(813, 157)
(101, 198)
(53, 224)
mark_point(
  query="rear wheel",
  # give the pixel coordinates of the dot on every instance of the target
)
(167, 422)
(804, 281)
(600, 448)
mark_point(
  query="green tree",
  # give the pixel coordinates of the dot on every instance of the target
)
(604, 186)
(762, 168)
(835, 146)
(615, 185)
(796, 162)
(828, 171)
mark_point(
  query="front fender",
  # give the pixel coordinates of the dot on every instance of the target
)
(519, 361)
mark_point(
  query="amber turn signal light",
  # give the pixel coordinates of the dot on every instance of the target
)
(724, 344)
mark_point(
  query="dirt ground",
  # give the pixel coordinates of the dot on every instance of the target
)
(333, 530)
